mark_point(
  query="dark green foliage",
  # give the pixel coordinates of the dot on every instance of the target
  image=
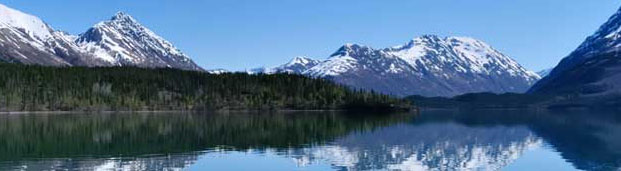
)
(38, 88)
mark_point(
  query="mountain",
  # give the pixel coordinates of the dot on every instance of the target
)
(428, 66)
(593, 69)
(125, 42)
(121, 41)
(545, 72)
(296, 66)
(27, 39)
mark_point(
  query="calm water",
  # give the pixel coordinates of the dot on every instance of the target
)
(434, 140)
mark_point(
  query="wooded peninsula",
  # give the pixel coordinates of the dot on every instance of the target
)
(41, 88)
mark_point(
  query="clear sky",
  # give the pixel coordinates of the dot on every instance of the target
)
(243, 34)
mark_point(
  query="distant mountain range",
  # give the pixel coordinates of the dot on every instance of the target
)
(592, 70)
(428, 66)
(120, 41)
(297, 65)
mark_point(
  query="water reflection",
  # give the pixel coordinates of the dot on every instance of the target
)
(74, 140)
(434, 140)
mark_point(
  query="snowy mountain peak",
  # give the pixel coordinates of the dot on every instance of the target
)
(122, 40)
(302, 60)
(349, 47)
(126, 20)
(429, 41)
(122, 16)
(29, 24)
(424, 39)
(463, 39)
(429, 37)
(123, 21)
(469, 41)
(353, 46)
(428, 65)
(352, 50)
(296, 65)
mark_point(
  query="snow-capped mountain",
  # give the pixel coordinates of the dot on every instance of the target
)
(296, 66)
(428, 66)
(121, 41)
(593, 69)
(27, 39)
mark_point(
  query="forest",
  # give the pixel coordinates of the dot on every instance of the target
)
(41, 88)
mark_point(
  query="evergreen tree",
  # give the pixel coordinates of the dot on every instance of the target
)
(39, 88)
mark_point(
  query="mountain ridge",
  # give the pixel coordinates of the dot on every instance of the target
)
(120, 41)
(296, 65)
(428, 65)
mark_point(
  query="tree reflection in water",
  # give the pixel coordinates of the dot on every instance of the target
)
(434, 140)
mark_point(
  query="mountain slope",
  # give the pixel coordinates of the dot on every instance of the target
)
(428, 66)
(121, 41)
(593, 69)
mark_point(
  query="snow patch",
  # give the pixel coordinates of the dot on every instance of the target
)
(32, 25)
(334, 66)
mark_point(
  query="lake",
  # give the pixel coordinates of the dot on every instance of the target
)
(431, 140)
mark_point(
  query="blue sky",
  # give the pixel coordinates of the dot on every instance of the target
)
(243, 34)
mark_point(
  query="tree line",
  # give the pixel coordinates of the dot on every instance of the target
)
(41, 88)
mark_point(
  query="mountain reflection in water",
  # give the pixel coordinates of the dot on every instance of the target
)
(433, 140)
